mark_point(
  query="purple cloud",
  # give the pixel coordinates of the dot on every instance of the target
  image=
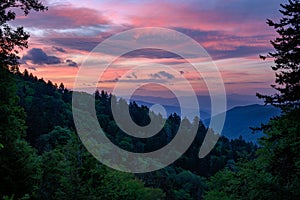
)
(38, 56)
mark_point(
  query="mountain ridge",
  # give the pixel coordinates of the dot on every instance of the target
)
(240, 118)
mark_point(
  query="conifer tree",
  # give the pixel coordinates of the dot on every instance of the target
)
(286, 56)
(18, 161)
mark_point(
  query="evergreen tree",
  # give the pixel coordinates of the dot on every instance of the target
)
(70, 172)
(18, 161)
(275, 174)
(286, 57)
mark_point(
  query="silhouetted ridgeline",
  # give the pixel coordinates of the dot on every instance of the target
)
(66, 168)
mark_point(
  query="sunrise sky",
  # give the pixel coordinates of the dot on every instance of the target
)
(233, 32)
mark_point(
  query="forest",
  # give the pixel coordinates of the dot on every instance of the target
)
(42, 157)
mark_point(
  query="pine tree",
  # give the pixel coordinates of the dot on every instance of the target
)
(286, 57)
(275, 173)
(18, 161)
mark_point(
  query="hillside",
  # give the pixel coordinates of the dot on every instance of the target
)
(50, 137)
(239, 119)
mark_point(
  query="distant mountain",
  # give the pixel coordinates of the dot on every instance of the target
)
(239, 119)
(233, 100)
(172, 105)
(176, 109)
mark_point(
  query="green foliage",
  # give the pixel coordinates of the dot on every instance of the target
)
(250, 181)
(286, 57)
(50, 131)
(18, 161)
(12, 116)
(181, 195)
(46, 106)
(64, 169)
(12, 40)
(176, 183)
(275, 174)
(58, 136)
(19, 164)
(70, 172)
(280, 154)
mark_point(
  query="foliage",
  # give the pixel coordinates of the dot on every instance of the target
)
(59, 167)
(280, 153)
(67, 170)
(275, 174)
(12, 40)
(286, 57)
(45, 105)
(70, 172)
(18, 161)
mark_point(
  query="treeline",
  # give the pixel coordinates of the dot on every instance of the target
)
(275, 173)
(48, 160)
(42, 157)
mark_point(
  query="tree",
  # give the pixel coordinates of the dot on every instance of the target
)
(280, 152)
(286, 57)
(70, 172)
(18, 161)
(275, 173)
(12, 40)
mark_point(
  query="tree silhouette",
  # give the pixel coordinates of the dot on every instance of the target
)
(12, 40)
(286, 57)
(275, 173)
(18, 161)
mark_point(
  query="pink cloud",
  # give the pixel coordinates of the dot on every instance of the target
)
(227, 29)
(235, 16)
(63, 17)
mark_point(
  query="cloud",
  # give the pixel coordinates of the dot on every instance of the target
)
(221, 45)
(78, 43)
(39, 57)
(109, 80)
(132, 75)
(216, 25)
(162, 74)
(71, 63)
(32, 68)
(238, 51)
(151, 53)
(247, 82)
(150, 80)
(194, 79)
(232, 15)
(64, 17)
(59, 49)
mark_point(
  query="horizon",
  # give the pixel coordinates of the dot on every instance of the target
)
(233, 34)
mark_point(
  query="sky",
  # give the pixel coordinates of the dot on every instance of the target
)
(233, 32)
